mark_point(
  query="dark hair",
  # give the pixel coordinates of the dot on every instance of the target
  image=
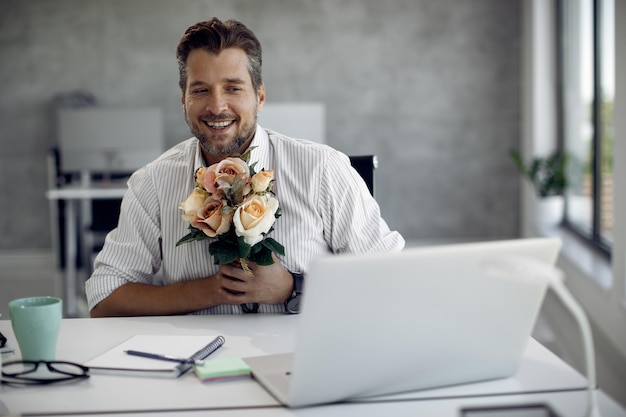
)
(215, 36)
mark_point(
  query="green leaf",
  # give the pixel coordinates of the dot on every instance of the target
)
(263, 257)
(243, 249)
(255, 249)
(246, 155)
(187, 238)
(252, 169)
(194, 234)
(517, 159)
(273, 245)
(225, 258)
(222, 253)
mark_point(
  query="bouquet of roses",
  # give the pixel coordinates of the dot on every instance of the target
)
(232, 203)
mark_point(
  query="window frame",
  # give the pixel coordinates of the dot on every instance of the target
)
(593, 238)
(597, 282)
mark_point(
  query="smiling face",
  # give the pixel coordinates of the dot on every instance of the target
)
(220, 103)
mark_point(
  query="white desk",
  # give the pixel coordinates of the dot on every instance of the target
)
(542, 377)
(73, 196)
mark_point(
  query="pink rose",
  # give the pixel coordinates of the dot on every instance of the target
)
(219, 178)
(213, 218)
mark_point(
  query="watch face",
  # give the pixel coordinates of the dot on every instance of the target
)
(293, 305)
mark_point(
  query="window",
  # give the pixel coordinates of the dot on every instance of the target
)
(586, 71)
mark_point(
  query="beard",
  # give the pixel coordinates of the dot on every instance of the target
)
(241, 137)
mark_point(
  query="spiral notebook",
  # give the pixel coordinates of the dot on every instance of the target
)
(427, 317)
(116, 361)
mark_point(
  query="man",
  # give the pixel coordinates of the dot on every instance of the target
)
(325, 205)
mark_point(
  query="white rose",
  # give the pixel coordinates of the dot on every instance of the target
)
(254, 217)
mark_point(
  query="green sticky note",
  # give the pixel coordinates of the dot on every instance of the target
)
(222, 369)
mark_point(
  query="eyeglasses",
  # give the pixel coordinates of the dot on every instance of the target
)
(30, 373)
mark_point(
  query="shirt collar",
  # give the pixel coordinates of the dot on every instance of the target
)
(260, 153)
(199, 159)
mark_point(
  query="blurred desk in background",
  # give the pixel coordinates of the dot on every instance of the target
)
(95, 145)
(76, 228)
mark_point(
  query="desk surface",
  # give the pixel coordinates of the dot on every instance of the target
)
(542, 377)
(96, 192)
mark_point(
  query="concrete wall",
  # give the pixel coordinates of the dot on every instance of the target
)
(430, 86)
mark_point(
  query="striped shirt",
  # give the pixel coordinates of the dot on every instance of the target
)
(325, 205)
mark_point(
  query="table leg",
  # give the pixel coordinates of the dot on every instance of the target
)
(70, 257)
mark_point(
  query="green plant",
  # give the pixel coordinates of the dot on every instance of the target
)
(547, 174)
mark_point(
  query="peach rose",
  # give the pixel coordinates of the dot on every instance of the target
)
(261, 181)
(255, 217)
(193, 203)
(200, 177)
(220, 177)
(213, 218)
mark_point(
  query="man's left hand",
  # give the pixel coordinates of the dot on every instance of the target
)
(271, 284)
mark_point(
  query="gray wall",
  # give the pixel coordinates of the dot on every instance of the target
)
(430, 86)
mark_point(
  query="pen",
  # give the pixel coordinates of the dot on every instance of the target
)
(186, 361)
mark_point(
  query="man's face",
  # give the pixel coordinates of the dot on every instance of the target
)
(219, 101)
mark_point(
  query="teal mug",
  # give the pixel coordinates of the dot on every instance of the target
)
(36, 322)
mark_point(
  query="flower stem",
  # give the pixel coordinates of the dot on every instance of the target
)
(245, 267)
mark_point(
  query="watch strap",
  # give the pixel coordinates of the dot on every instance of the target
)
(298, 282)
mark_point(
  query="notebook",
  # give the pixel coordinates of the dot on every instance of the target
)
(116, 361)
(423, 318)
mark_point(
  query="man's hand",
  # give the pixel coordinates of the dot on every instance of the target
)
(270, 284)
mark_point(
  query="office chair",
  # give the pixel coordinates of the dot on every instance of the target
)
(365, 166)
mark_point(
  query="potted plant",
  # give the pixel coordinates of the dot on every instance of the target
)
(548, 177)
(546, 174)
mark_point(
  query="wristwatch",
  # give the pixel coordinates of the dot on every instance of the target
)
(292, 305)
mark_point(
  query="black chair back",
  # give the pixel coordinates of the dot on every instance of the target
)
(365, 166)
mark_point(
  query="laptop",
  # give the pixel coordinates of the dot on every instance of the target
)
(422, 318)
